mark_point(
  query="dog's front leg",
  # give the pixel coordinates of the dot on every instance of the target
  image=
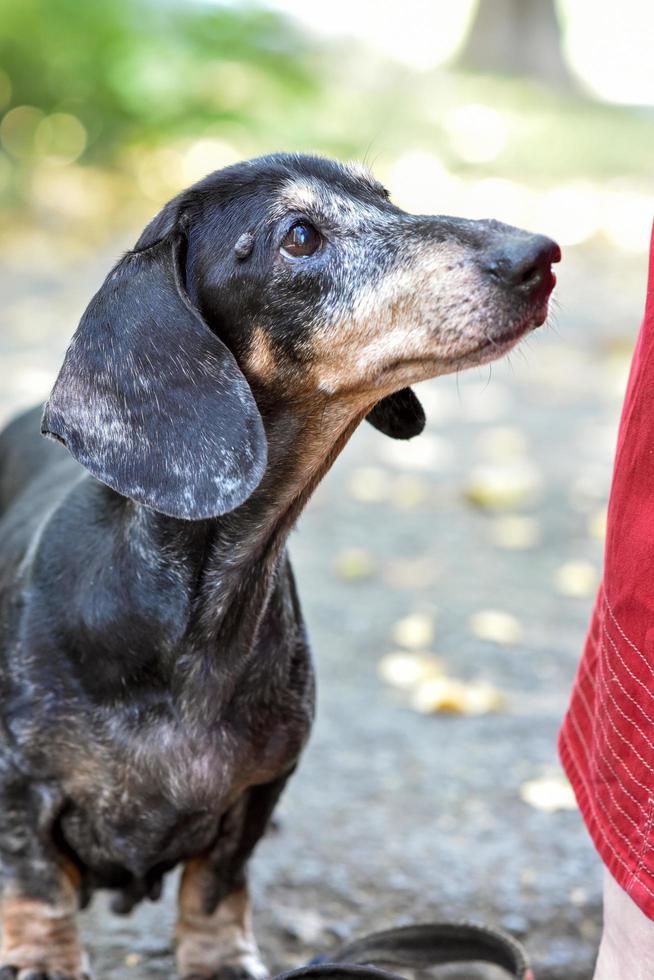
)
(214, 933)
(219, 945)
(39, 896)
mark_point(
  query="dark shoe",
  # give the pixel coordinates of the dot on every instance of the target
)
(418, 947)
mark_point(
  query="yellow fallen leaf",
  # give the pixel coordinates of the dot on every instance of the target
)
(451, 696)
(579, 896)
(576, 579)
(369, 484)
(502, 487)
(410, 573)
(482, 699)
(440, 694)
(133, 959)
(354, 563)
(550, 793)
(495, 626)
(409, 492)
(429, 452)
(619, 346)
(515, 532)
(415, 632)
(617, 365)
(502, 442)
(406, 670)
(597, 524)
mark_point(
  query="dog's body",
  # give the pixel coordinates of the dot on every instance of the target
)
(135, 733)
(155, 679)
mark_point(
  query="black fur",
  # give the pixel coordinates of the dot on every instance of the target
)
(156, 686)
(144, 374)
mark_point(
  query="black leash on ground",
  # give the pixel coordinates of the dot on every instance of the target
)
(418, 948)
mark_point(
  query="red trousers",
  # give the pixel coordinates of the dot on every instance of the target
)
(607, 739)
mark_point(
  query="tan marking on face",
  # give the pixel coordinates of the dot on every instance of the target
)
(417, 311)
(260, 360)
(433, 315)
(39, 936)
(206, 943)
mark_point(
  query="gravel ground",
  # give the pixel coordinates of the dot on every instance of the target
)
(396, 815)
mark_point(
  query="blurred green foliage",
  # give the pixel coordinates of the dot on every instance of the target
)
(109, 107)
(139, 71)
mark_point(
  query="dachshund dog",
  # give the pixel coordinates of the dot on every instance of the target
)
(156, 686)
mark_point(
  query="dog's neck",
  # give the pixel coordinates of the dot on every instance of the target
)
(235, 558)
(251, 541)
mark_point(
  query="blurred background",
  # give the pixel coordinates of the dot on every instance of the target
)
(446, 582)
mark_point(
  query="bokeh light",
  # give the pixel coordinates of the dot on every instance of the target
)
(478, 133)
(18, 131)
(610, 47)
(5, 89)
(215, 83)
(204, 155)
(60, 138)
(5, 171)
(419, 33)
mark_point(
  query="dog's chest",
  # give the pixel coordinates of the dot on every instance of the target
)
(185, 770)
(190, 773)
(139, 799)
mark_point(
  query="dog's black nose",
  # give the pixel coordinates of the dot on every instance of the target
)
(522, 261)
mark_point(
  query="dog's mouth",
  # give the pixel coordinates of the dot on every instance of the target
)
(497, 344)
(489, 348)
(502, 320)
(511, 337)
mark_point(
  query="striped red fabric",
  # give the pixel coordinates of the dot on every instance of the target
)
(607, 739)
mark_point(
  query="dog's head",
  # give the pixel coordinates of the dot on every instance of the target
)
(287, 278)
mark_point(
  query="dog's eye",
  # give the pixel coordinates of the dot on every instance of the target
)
(301, 240)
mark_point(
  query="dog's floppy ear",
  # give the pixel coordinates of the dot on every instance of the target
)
(150, 401)
(400, 415)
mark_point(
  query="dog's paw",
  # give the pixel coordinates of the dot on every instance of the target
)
(10, 971)
(224, 973)
(247, 968)
(39, 939)
(242, 972)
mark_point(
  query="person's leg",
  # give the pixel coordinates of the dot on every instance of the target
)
(627, 948)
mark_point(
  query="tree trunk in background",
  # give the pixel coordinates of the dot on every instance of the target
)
(517, 37)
